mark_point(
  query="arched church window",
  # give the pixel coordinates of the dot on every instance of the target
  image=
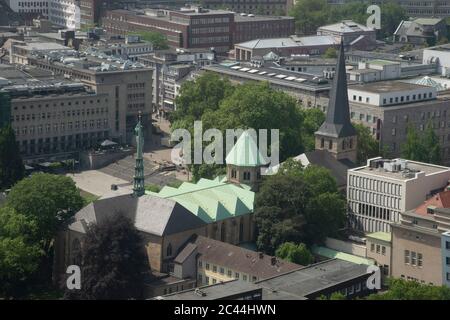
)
(322, 143)
(169, 250)
(330, 144)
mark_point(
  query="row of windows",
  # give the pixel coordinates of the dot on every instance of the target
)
(59, 115)
(210, 20)
(371, 211)
(374, 198)
(375, 185)
(413, 258)
(221, 270)
(211, 30)
(61, 127)
(203, 40)
(379, 249)
(62, 104)
(175, 288)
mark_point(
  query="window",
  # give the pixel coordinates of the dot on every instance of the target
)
(169, 250)
(229, 273)
(358, 287)
(378, 248)
(200, 263)
(214, 268)
(207, 280)
(448, 276)
(413, 258)
(244, 277)
(419, 260)
(236, 275)
(447, 260)
(200, 278)
(222, 271)
(383, 250)
(207, 266)
(447, 245)
(351, 290)
(406, 256)
(214, 281)
(372, 247)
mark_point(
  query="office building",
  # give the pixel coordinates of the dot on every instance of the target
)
(351, 33)
(380, 191)
(196, 27)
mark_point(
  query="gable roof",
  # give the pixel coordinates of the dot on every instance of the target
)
(210, 200)
(150, 214)
(439, 200)
(245, 152)
(238, 258)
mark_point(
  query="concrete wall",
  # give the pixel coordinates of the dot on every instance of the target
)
(346, 246)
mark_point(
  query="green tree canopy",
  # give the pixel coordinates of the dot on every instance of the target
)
(312, 120)
(368, 147)
(47, 199)
(298, 205)
(19, 254)
(113, 262)
(296, 253)
(399, 289)
(158, 39)
(330, 53)
(11, 165)
(424, 148)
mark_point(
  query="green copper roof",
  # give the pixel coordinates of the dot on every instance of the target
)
(245, 152)
(333, 254)
(211, 200)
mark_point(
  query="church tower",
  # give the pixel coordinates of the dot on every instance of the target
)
(337, 134)
(138, 186)
(244, 162)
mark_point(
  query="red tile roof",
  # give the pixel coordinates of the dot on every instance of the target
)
(439, 200)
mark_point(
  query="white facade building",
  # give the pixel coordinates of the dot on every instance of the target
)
(378, 192)
(439, 56)
(65, 13)
(38, 7)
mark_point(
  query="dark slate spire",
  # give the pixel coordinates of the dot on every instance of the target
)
(337, 123)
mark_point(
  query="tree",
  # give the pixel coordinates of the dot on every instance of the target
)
(113, 261)
(19, 254)
(368, 147)
(424, 148)
(432, 145)
(391, 16)
(11, 165)
(399, 289)
(258, 106)
(330, 53)
(158, 40)
(297, 205)
(413, 148)
(196, 97)
(309, 15)
(295, 253)
(312, 120)
(49, 200)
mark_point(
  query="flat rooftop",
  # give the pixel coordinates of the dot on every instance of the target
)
(387, 86)
(221, 290)
(413, 166)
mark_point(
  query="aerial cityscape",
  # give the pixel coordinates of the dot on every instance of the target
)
(224, 150)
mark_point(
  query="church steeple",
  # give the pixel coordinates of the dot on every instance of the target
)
(138, 187)
(337, 134)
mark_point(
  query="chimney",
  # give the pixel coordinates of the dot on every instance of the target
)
(273, 260)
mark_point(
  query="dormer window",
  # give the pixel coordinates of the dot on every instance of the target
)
(430, 209)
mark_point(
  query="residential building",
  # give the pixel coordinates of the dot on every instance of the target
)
(351, 33)
(379, 248)
(170, 69)
(284, 47)
(211, 261)
(421, 31)
(21, 50)
(337, 134)
(127, 84)
(420, 240)
(380, 191)
(308, 283)
(196, 27)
